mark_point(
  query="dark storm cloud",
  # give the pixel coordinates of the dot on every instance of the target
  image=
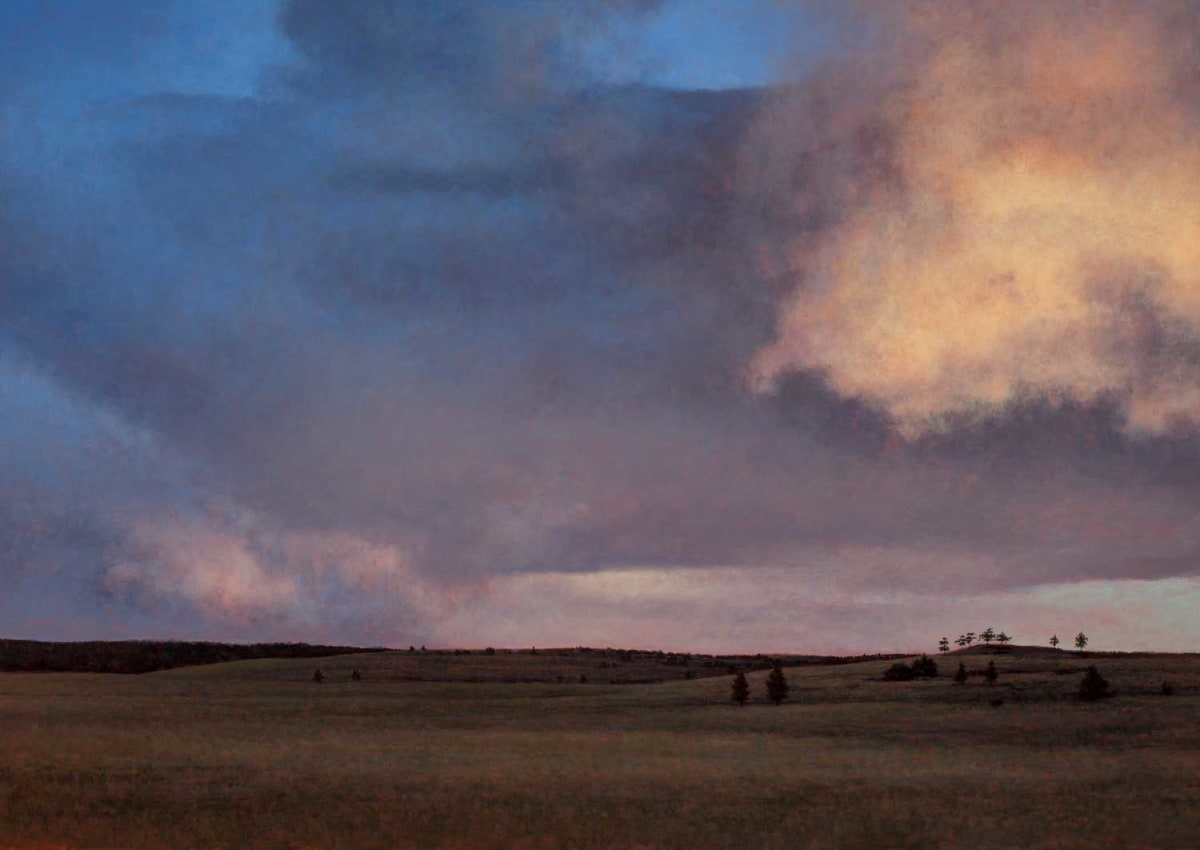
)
(450, 307)
(461, 44)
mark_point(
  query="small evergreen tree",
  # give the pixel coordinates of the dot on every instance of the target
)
(1093, 686)
(1081, 641)
(777, 686)
(741, 688)
(1054, 642)
(318, 676)
(990, 673)
(960, 675)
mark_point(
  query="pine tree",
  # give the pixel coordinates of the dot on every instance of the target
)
(960, 675)
(1081, 641)
(741, 688)
(990, 673)
(1054, 641)
(944, 644)
(318, 676)
(777, 686)
(989, 635)
(1093, 686)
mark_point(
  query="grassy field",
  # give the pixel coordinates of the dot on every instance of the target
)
(253, 754)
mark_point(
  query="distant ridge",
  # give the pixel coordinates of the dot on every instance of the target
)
(146, 656)
(1027, 650)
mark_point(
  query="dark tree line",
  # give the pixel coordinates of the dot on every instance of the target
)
(145, 656)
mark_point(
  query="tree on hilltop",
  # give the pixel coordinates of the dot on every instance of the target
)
(1054, 642)
(741, 688)
(777, 686)
(1081, 641)
(944, 645)
(988, 635)
(1003, 639)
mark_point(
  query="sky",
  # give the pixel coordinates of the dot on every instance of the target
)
(699, 325)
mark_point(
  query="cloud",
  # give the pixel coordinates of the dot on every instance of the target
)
(1004, 204)
(390, 354)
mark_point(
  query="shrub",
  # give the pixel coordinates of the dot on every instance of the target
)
(899, 672)
(318, 676)
(1093, 686)
(990, 673)
(925, 668)
(960, 675)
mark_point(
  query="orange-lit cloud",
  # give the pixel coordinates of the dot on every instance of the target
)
(1029, 220)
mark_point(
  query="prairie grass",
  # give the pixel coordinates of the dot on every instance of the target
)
(254, 755)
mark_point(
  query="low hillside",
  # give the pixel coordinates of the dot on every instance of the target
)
(145, 656)
(570, 665)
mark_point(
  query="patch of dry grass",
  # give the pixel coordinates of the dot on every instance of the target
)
(254, 755)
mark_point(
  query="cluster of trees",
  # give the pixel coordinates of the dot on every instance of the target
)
(1081, 641)
(777, 686)
(987, 636)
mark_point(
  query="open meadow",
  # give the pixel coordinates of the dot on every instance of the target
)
(255, 754)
